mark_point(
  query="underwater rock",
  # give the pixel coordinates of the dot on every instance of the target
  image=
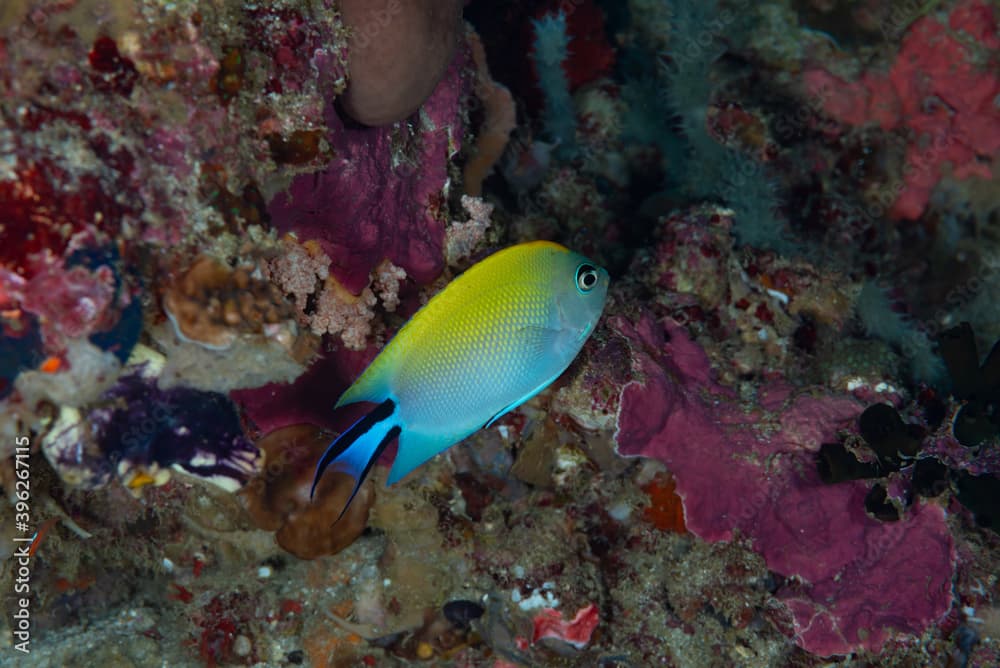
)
(250, 362)
(278, 498)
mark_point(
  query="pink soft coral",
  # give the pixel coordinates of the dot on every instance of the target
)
(856, 580)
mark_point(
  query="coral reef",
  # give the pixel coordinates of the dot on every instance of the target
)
(785, 513)
(778, 447)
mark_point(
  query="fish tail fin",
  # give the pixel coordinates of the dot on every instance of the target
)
(356, 450)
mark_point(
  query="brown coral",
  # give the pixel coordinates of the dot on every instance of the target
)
(211, 304)
(398, 51)
(278, 499)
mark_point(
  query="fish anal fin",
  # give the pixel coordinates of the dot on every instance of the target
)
(415, 449)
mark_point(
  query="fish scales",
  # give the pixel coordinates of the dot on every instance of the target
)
(493, 338)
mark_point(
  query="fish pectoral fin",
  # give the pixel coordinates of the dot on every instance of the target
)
(356, 450)
(543, 344)
(520, 401)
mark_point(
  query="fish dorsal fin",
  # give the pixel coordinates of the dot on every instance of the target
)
(373, 384)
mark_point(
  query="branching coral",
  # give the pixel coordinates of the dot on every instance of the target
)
(461, 238)
(340, 312)
(298, 269)
(322, 302)
(387, 280)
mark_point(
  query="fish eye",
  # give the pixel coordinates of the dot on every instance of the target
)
(586, 277)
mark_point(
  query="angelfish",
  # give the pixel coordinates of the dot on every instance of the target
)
(490, 340)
